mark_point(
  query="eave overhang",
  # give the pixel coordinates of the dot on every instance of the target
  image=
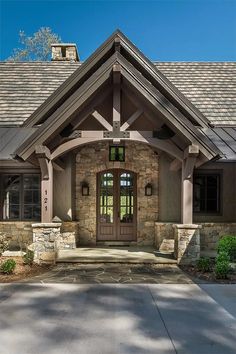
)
(142, 76)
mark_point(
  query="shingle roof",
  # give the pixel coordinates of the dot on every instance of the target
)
(210, 86)
(25, 86)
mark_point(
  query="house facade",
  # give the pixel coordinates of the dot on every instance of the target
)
(117, 150)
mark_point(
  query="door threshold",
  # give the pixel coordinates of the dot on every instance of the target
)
(116, 243)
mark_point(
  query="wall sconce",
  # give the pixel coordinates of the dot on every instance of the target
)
(148, 190)
(85, 189)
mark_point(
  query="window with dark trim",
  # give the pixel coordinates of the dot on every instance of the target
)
(117, 153)
(206, 192)
(20, 199)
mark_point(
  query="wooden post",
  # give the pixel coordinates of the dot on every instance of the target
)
(116, 100)
(46, 167)
(190, 156)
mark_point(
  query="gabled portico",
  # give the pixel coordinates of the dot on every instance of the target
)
(118, 98)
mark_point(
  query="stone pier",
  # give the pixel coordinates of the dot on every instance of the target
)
(187, 243)
(45, 239)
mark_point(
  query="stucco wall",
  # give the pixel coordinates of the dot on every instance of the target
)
(169, 191)
(140, 159)
(228, 194)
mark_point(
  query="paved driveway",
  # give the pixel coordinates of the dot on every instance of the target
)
(116, 318)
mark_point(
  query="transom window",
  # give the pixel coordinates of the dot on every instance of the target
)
(207, 193)
(20, 197)
(117, 153)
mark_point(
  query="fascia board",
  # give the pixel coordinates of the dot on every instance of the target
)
(67, 85)
(183, 125)
(163, 81)
(63, 113)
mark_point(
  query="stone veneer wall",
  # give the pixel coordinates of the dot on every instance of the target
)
(140, 159)
(68, 238)
(210, 233)
(19, 233)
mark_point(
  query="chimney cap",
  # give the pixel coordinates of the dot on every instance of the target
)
(63, 45)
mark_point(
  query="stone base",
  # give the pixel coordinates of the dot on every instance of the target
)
(187, 243)
(45, 238)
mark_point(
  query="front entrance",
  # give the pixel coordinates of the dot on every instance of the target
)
(116, 206)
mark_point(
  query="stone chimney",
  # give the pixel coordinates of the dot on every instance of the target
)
(64, 52)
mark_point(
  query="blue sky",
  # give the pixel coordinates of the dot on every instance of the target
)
(165, 30)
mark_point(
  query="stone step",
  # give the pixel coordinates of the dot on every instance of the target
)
(114, 255)
(167, 245)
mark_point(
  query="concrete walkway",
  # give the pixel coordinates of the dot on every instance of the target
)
(131, 254)
(117, 319)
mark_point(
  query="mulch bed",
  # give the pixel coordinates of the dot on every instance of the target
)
(208, 276)
(22, 271)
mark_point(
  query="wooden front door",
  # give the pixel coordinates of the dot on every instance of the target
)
(116, 206)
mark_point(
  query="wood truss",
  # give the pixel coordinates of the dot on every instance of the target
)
(117, 67)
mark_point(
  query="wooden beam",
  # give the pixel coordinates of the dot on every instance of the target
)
(131, 119)
(62, 115)
(191, 151)
(139, 136)
(102, 120)
(175, 165)
(140, 105)
(89, 109)
(172, 114)
(44, 157)
(190, 156)
(59, 165)
(116, 110)
(42, 151)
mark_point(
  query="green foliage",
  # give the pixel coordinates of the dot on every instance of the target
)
(37, 47)
(28, 257)
(222, 266)
(3, 243)
(8, 266)
(222, 270)
(228, 244)
(222, 257)
(203, 264)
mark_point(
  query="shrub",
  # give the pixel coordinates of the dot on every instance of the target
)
(28, 257)
(222, 270)
(228, 244)
(222, 266)
(223, 257)
(8, 266)
(3, 243)
(203, 264)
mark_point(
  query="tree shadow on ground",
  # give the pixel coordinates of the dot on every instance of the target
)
(71, 318)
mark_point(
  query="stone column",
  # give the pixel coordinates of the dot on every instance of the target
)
(45, 236)
(187, 243)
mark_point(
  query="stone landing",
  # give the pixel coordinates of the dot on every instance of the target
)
(140, 255)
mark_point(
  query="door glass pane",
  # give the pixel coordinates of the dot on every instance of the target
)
(126, 197)
(106, 198)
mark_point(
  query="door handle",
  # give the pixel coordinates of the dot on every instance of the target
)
(118, 214)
